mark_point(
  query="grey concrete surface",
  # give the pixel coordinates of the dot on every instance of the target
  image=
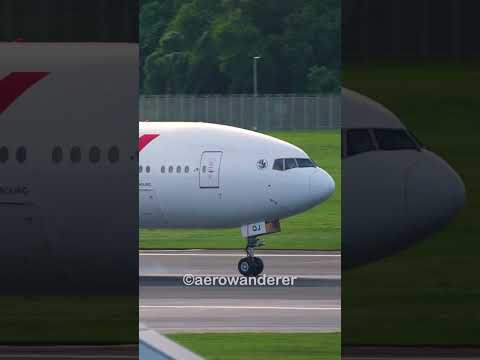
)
(224, 262)
(312, 304)
(154, 346)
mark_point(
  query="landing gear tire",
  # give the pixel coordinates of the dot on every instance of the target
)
(250, 266)
(259, 265)
(246, 266)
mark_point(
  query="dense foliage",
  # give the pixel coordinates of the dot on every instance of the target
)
(207, 46)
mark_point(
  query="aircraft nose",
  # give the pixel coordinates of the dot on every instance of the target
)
(321, 186)
(434, 194)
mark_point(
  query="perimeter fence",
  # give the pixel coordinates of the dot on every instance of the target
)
(262, 112)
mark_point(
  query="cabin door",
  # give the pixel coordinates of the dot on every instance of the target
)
(210, 169)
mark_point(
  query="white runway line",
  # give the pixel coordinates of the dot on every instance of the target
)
(237, 255)
(236, 307)
(298, 277)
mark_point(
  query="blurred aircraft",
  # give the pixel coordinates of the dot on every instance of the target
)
(394, 190)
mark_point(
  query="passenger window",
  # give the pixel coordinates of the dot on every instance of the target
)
(290, 164)
(359, 141)
(3, 154)
(21, 154)
(75, 154)
(94, 155)
(304, 163)
(140, 169)
(187, 169)
(147, 169)
(57, 154)
(162, 169)
(204, 169)
(278, 164)
(170, 169)
(179, 169)
(394, 139)
(113, 154)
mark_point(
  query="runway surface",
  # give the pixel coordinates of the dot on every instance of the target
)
(312, 304)
(224, 262)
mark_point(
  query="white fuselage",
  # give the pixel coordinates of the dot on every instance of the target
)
(395, 191)
(198, 175)
(67, 221)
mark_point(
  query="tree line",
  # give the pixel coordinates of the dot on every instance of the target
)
(207, 46)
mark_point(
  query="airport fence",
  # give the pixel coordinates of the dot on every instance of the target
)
(262, 112)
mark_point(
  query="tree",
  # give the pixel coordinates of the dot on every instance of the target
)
(208, 45)
(237, 41)
(322, 80)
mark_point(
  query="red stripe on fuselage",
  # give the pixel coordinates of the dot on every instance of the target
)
(144, 140)
(15, 84)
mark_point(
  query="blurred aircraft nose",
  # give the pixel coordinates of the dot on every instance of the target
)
(321, 186)
(434, 194)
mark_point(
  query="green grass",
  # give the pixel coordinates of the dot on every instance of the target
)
(69, 320)
(318, 228)
(429, 293)
(263, 346)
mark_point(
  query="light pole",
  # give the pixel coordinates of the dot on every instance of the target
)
(255, 91)
(255, 88)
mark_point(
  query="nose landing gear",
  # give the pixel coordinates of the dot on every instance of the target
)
(251, 265)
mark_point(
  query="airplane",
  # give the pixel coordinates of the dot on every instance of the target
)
(49, 228)
(201, 175)
(395, 191)
(68, 166)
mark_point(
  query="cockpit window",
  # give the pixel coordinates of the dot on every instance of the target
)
(359, 141)
(304, 163)
(278, 165)
(290, 164)
(419, 143)
(394, 139)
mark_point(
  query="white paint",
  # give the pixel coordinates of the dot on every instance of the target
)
(237, 307)
(256, 229)
(233, 191)
(237, 255)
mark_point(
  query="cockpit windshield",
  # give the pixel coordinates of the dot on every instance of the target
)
(291, 163)
(394, 139)
(304, 163)
(357, 141)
